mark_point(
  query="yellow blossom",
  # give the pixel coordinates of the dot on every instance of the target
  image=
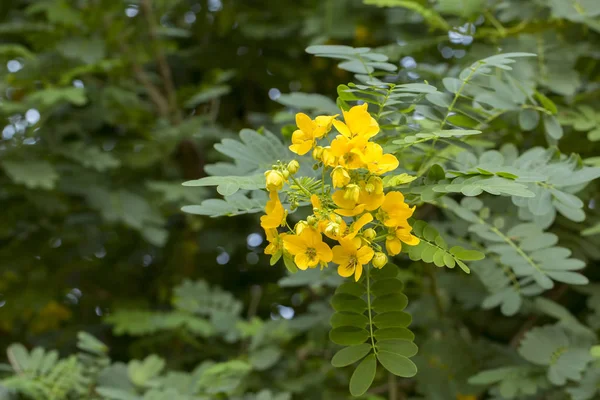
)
(303, 139)
(357, 122)
(351, 257)
(350, 207)
(275, 180)
(275, 240)
(340, 177)
(275, 213)
(377, 162)
(394, 211)
(340, 230)
(399, 235)
(308, 248)
(347, 152)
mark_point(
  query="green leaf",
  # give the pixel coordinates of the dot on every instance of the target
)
(33, 174)
(228, 185)
(403, 347)
(553, 128)
(350, 355)
(347, 302)
(390, 302)
(397, 364)
(207, 95)
(546, 102)
(363, 376)
(392, 319)
(386, 286)
(353, 288)
(348, 336)
(528, 119)
(309, 101)
(141, 372)
(348, 319)
(394, 333)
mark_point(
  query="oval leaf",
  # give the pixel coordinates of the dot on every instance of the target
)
(350, 355)
(363, 376)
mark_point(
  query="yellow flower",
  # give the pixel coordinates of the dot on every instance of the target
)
(340, 230)
(351, 257)
(358, 122)
(350, 207)
(404, 234)
(275, 241)
(347, 152)
(303, 139)
(398, 235)
(275, 212)
(340, 177)
(378, 163)
(307, 248)
(394, 211)
(275, 180)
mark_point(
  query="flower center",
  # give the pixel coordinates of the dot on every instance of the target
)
(311, 253)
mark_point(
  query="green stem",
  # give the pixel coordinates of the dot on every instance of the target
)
(305, 190)
(512, 244)
(369, 309)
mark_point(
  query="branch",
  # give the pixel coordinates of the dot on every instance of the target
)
(163, 65)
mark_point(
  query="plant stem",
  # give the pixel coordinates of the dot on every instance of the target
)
(392, 386)
(369, 307)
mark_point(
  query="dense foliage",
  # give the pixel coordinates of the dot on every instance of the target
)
(487, 123)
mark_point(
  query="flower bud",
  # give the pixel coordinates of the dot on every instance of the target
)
(293, 166)
(379, 260)
(340, 177)
(317, 153)
(286, 173)
(352, 192)
(300, 226)
(376, 185)
(332, 230)
(328, 158)
(275, 180)
(312, 220)
(369, 234)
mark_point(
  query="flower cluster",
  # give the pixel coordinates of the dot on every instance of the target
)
(350, 210)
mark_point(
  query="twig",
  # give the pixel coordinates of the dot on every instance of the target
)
(392, 387)
(163, 65)
(435, 290)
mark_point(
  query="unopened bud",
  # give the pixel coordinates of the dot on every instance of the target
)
(286, 173)
(332, 230)
(352, 192)
(300, 226)
(376, 183)
(317, 153)
(293, 166)
(340, 177)
(275, 180)
(369, 234)
(379, 260)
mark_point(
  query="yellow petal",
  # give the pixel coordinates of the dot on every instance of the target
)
(302, 261)
(365, 254)
(305, 123)
(346, 270)
(351, 213)
(342, 128)
(302, 148)
(358, 272)
(324, 253)
(294, 244)
(393, 246)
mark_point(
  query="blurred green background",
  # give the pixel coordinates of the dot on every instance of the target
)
(107, 106)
